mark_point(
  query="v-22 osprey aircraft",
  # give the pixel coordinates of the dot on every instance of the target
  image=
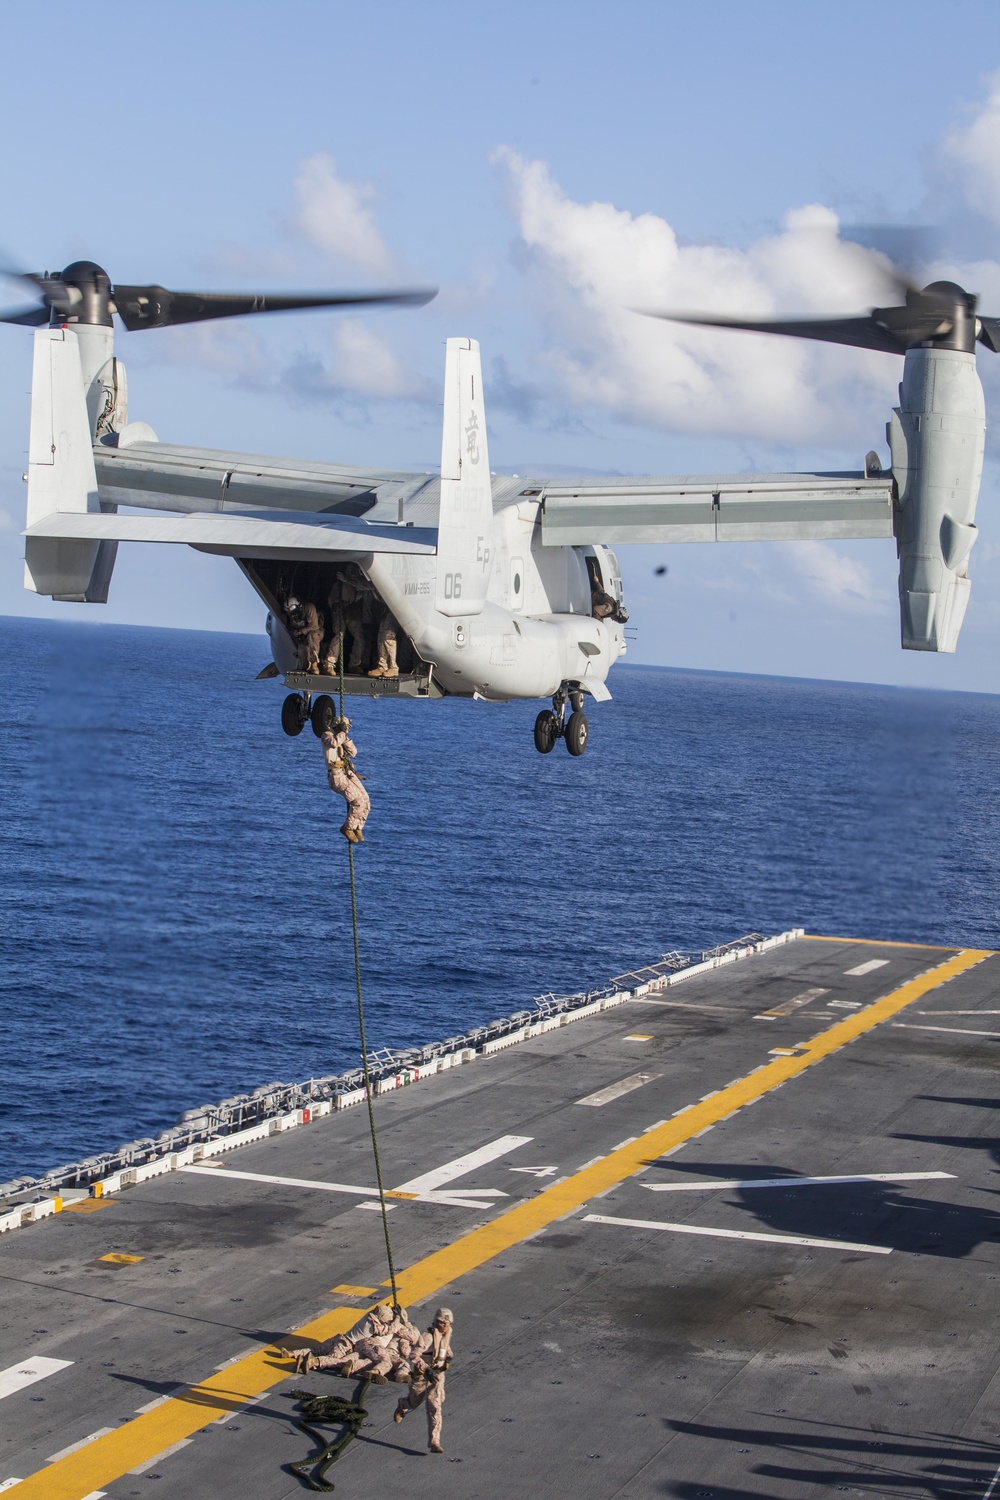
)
(501, 588)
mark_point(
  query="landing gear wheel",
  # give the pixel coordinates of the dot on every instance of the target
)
(322, 714)
(576, 732)
(546, 731)
(294, 714)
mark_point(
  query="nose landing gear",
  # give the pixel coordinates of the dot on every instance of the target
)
(550, 725)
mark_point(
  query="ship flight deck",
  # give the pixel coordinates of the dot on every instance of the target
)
(736, 1239)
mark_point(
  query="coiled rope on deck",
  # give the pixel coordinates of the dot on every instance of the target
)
(361, 1029)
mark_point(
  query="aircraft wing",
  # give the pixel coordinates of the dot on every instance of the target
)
(165, 477)
(714, 508)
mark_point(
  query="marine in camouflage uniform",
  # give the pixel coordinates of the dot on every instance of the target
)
(339, 751)
(357, 598)
(386, 666)
(427, 1386)
(307, 632)
(369, 1348)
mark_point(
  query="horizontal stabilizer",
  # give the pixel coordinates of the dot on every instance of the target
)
(263, 533)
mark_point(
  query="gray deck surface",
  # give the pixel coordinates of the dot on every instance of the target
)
(594, 1360)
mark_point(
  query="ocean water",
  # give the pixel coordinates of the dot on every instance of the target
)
(176, 917)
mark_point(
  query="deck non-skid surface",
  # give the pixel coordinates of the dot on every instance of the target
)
(764, 1265)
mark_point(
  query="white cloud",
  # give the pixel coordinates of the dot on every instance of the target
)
(596, 261)
(975, 148)
(233, 347)
(835, 577)
(361, 364)
(335, 215)
(365, 363)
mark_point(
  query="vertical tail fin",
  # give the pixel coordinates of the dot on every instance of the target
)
(61, 473)
(465, 522)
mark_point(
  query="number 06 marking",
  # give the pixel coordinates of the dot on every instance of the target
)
(453, 585)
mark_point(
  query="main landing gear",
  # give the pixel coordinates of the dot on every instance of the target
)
(549, 725)
(300, 709)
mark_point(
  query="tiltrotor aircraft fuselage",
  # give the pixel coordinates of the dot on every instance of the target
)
(501, 587)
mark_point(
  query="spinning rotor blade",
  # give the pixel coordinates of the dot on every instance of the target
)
(155, 307)
(989, 334)
(943, 314)
(38, 287)
(83, 293)
(29, 317)
(861, 333)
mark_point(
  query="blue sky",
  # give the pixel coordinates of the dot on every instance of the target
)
(543, 164)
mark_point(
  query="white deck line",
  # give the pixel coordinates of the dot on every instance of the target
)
(474, 1198)
(616, 1090)
(302, 1182)
(869, 967)
(738, 1234)
(27, 1371)
(428, 1182)
(951, 1030)
(709, 1186)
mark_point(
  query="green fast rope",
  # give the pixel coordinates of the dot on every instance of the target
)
(361, 1029)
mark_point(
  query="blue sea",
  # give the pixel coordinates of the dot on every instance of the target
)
(175, 891)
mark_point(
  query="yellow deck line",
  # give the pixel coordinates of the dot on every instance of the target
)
(109, 1457)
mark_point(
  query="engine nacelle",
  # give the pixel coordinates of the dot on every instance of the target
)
(936, 438)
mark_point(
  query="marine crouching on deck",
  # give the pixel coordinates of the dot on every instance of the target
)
(385, 1346)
